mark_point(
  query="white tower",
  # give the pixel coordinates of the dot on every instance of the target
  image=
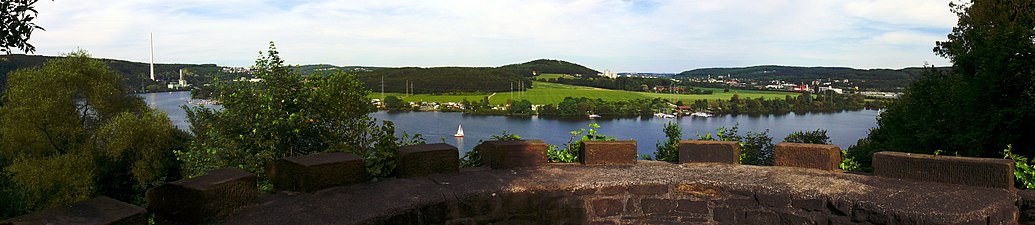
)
(152, 44)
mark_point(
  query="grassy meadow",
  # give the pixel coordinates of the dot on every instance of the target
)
(552, 93)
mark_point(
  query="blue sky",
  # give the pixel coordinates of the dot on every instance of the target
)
(619, 35)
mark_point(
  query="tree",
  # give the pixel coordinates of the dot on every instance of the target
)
(392, 102)
(817, 136)
(70, 131)
(986, 102)
(16, 19)
(669, 151)
(283, 115)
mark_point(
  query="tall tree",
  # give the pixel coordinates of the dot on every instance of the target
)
(986, 102)
(70, 132)
(16, 25)
(284, 114)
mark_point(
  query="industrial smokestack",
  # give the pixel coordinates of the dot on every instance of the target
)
(152, 41)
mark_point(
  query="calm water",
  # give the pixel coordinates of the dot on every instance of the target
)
(844, 128)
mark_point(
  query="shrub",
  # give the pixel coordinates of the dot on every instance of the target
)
(669, 150)
(570, 153)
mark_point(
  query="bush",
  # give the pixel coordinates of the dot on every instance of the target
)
(1023, 170)
(570, 153)
(669, 151)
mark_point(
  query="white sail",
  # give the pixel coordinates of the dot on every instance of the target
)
(459, 131)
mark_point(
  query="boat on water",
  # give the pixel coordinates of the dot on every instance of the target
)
(459, 131)
(701, 114)
(594, 116)
(668, 116)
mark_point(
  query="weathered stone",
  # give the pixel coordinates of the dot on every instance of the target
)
(815, 156)
(612, 190)
(512, 154)
(309, 173)
(810, 204)
(761, 217)
(656, 206)
(693, 151)
(981, 172)
(773, 199)
(198, 199)
(608, 152)
(553, 199)
(99, 210)
(607, 207)
(724, 215)
(700, 207)
(648, 189)
(425, 159)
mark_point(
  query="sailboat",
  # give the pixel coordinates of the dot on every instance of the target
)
(459, 131)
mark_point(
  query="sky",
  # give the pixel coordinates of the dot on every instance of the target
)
(617, 35)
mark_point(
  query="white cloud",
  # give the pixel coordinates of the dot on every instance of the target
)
(621, 35)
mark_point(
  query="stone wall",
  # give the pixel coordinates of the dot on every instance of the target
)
(518, 187)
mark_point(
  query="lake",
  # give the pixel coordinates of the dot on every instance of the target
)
(844, 128)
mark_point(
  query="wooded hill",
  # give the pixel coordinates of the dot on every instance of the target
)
(466, 79)
(543, 66)
(134, 74)
(886, 79)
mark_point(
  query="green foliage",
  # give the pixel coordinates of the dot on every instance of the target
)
(286, 115)
(755, 148)
(1023, 170)
(818, 136)
(570, 152)
(17, 16)
(70, 132)
(985, 102)
(473, 158)
(669, 151)
(381, 160)
(848, 163)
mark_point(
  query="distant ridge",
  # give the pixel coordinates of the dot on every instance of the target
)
(875, 78)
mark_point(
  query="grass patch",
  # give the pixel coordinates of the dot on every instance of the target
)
(553, 93)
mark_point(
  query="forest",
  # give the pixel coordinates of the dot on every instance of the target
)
(881, 79)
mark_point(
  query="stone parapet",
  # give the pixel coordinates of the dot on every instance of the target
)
(981, 172)
(608, 152)
(512, 154)
(99, 210)
(643, 193)
(694, 151)
(814, 156)
(309, 173)
(425, 159)
(199, 199)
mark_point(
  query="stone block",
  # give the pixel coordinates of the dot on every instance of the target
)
(814, 156)
(981, 172)
(699, 207)
(607, 207)
(99, 210)
(709, 152)
(198, 199)
(309, 173)
(512, 154)
(425, 159)
(608, 152)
